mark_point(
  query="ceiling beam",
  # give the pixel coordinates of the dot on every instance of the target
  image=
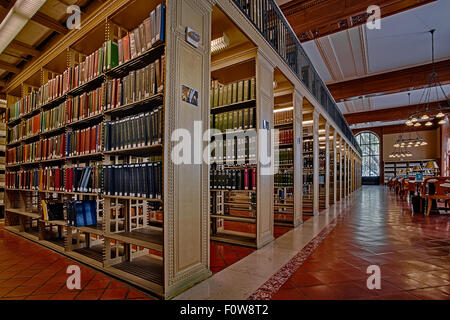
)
(23, 47)
(49, 22)
(390, 114)
(9, 67)
(311, 19)
(390, 82)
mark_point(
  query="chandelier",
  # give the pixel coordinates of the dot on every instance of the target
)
(410, 142)
(400, 153)
(425, 112)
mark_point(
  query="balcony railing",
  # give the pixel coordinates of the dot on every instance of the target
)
(267, 17)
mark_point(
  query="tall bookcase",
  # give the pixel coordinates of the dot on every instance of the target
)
(237, 210)
(133, 182)
(2, 156)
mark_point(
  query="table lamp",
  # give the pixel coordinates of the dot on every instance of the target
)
(417, 168)
(432, 166)
(408, 171)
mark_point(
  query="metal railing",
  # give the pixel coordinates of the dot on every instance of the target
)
(267, 17)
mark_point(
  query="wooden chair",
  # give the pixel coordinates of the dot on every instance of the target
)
(439, 193)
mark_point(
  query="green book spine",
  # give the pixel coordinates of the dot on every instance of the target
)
(221, 96)
(229, 94)
(235, 92)
(216, 97)
(253, 88)
(246, 93)
(236, 119)
(230, 120)
(240, 91)
(250, 118)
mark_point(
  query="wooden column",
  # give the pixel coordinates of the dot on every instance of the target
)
(298, 158)
(186, 186)
(334, 167)
(316, 150)
(327, 165)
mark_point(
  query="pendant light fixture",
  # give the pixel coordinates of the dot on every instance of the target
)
(425, 112)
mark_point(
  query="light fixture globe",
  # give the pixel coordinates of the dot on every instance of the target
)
(425, 117)
(442, 121)
(440, 115)
(414, 119)
(417, 124)
(409, 123)
(428, 123)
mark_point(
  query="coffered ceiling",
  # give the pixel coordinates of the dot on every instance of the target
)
(369, 70)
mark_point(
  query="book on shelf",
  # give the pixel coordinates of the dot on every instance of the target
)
(286, 137)
(53, 118)
(148, 34)
(142, 180)
(85, 141)
(138, 85)
(285, 156)
(32, 126)
(241, 119)
(85, 105)
(283, 117)
(52, 211)
(84, 179)
(233, 179)
(144, 129)
(226, 94)
(82, 213)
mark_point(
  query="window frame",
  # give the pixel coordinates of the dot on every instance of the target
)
(370, 154)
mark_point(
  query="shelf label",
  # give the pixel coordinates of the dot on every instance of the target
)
(192, 37)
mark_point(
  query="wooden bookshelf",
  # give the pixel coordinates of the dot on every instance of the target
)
(127, 246)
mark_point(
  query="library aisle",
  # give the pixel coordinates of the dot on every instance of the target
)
(29, 271)
(327, 257)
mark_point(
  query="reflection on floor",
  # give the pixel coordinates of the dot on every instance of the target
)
(223, 255)
(413, 253)
(31, 272)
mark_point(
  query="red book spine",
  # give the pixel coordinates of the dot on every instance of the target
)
(246, 179)
(254, 178)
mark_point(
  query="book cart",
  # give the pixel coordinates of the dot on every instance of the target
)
(124, 165)
(235, 203)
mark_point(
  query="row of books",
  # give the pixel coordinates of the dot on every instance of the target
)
(84, 179)
(286, 137)
(234, 120)
(85, 141)
(93, 66)
(285, 179)
(40, 123)
(226, 94)
(144, 129)
(283, 117)
(52, 211)
(308, 161)
(308, 146)
(285, 156)
(46, 149)
(45, 179)
(233, 179)
(134, 180)
(149, 33)
(82, 213)
(241, 148)
(136, 86)
(25, 105)
(53, 119)
(85, 105)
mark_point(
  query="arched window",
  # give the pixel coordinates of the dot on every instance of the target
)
(370, 147)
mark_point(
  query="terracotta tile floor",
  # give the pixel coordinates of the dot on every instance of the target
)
(31, 272)
(223, 255)
(413, 253)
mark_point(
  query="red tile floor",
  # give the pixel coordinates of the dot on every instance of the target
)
(31, 272)
(223, 255)
(413, 253)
